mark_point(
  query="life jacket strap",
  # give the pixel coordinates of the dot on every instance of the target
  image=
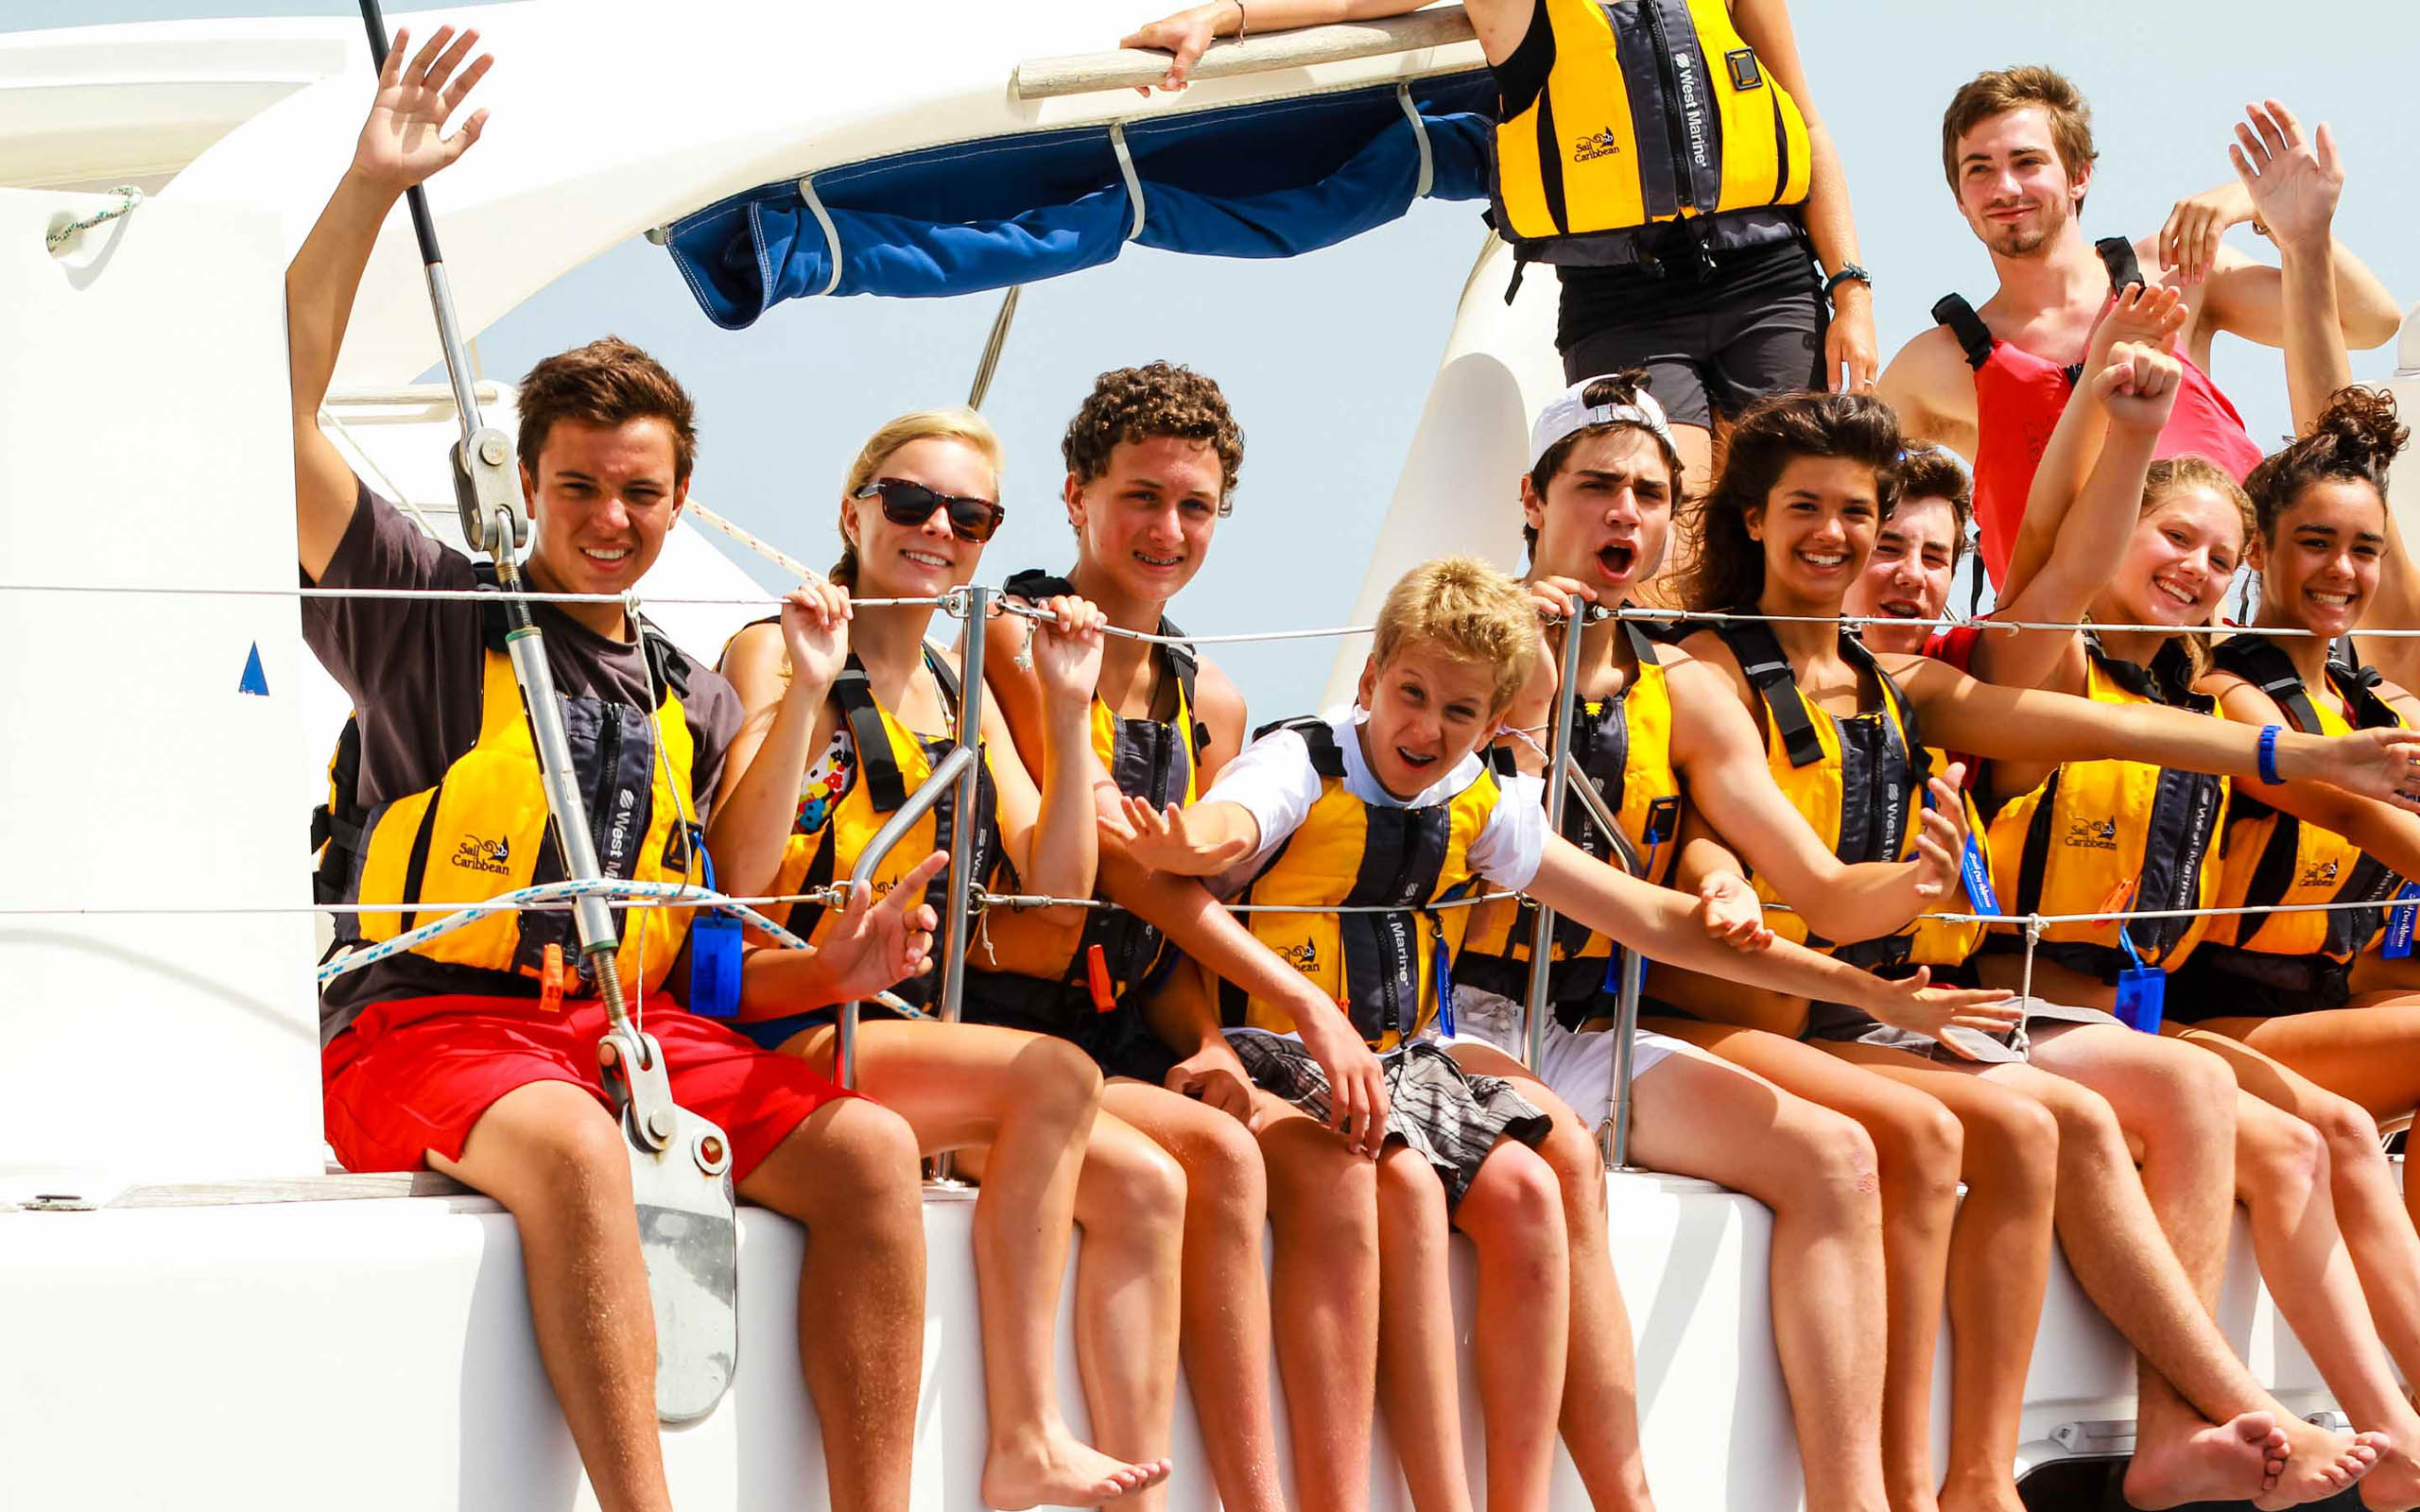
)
(1974, 337)
(2117, 255)
(1763, 664)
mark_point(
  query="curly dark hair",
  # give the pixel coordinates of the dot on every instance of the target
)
(2356, 438)
(1157, 398)
(1729, 569)
(1929, 472)
(608, 382)
(1621, 388)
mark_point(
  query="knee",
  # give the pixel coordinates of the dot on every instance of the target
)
(1516, 1200)
(1830, 1167)
(1407, 1184)
(576, 1156)
(2019, 1138)
(2201, 1096)
(1922, 1149)
(1571, 1154)
(2351, 1134)
(1224, 1169)
(2279, 1153)
(1324, 1201)
(1052, 1074)
(1147, 1190)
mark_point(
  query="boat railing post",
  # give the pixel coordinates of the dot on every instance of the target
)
(929, 792)
(958, 920)
(1625, 1032)
(1534, 1018)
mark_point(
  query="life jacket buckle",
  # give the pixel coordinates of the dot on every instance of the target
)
(551, 979)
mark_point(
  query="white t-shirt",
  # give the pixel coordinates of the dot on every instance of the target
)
(1272, 779)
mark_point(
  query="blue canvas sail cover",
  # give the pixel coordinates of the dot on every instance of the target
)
(1269, 180)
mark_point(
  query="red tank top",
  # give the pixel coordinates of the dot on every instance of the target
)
(2019, 397)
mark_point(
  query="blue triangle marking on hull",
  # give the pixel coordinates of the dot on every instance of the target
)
(253, 681)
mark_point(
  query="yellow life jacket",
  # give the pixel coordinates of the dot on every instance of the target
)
(1858, 782)
(1623, 746)
(1650, 112)
(891, 762)
(2271, 859)
(484, 831)
(2111, 835)
(1157, 760)
(1350, 854)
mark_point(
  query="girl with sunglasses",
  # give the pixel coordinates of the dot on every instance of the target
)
(1803, 487)
(1153, 456)
(844, 721)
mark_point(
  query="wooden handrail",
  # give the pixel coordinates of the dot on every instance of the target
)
(1131, 67)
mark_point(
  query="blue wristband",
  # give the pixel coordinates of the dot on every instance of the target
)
(2269, 754)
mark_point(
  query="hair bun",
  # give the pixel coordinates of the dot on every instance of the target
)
(1621, 388)
(2361, 426)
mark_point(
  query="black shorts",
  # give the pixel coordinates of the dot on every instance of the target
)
(2221, 982)
(1713, 345)
(1121, 1043)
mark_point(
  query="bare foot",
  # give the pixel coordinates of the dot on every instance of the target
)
(2234, 1461)
(2392, 1485)
(1055, 1471)
(2323, 1463)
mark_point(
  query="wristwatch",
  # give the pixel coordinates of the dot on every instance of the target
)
(1849, 272)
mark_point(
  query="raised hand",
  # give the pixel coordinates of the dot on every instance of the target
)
(1914, 1003)
(875, 944)
(404, 142)
(2376, 763)
(1732, 913)
(1066, 649)
(815, 633)
(2137, 386)
(1187, 34)
(1158, 840)
(1554, 595)
(2294, 181)
(2144, 315)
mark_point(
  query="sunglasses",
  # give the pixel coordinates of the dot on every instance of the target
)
(912, 503)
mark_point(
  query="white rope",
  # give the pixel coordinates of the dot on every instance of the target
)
(378, 474)
(831, 234)
(464, 916)
(59, 236)
(482, 595)
(752, 542)
(1133, 180)
(1420, 134)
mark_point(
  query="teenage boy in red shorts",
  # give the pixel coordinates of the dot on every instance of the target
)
(449, 1056)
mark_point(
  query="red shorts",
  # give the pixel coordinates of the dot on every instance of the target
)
(414, 1076)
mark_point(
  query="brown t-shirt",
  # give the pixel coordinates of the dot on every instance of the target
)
(415, 669)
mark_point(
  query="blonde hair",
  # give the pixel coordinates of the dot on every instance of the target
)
(955, 425)
(1468, 610)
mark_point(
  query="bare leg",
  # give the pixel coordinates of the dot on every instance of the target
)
(1919, 1148)
(1999, 1260)
(1419, 1385)
(1130, 1203)
(849, 1173)
(1323, 1209)
(2369, 1058)
(1225, 1288)
(554, 1157)
(1513, 1216)
(1599, 1418)
(2282, 1178)
(1031, 1100)
(2206, 1430)
(1694, 1115)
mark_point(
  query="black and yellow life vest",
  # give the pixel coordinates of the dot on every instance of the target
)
(484, 829)
(1858, 782)
(1156, 760)
(1350, 854)
(1650, 112)
(2273, 859)
(1624, 747)
(2111, 836)
(891, 762)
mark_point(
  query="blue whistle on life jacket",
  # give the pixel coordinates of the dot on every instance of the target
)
(2397, 944)
(1974, 873)
(1445, 987)
(2142, 990)
(714, 954)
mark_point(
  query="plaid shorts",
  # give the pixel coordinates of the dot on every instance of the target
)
(1452, 1118)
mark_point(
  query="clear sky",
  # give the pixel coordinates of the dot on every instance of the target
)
(1328, 359)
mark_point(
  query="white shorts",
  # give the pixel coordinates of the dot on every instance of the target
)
(1578, 1068)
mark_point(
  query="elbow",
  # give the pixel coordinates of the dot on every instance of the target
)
(2372, 324)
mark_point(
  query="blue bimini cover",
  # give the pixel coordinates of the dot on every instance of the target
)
(1271, 180)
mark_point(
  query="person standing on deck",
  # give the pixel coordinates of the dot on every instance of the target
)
(451, 1059)
(1990, 382)
(1712, 247)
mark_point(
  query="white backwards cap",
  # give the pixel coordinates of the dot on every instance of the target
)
(1570, 411)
